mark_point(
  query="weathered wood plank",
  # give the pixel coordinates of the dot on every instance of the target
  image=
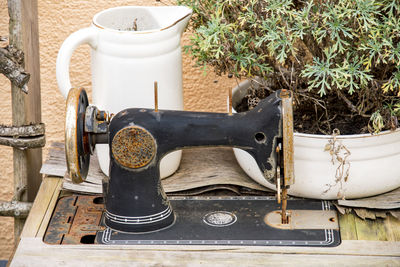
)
(33, 107)
(370, 229)
(41, 205)
(347, 226)
(347, 247)
(392, 226)
(205, 259)
(49, 211)
(350, 253)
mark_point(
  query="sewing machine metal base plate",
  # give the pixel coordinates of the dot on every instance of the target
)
(243, 221)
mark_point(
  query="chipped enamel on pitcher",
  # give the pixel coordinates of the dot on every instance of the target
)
(132, 47)
(370, 166)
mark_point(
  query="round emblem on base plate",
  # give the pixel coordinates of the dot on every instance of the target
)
(219, 218)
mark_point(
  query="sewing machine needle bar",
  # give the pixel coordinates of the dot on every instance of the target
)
(156, 96)
(288, 150)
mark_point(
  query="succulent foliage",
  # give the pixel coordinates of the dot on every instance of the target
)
(330, 51)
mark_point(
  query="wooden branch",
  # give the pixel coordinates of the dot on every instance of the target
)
(15, 209)
(22, 131)
(350, 105)
(313, 46)
(23, 137)
(23, 143)
(10, 65)
(13, 54)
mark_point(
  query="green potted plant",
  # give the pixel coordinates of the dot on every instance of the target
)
(341, 59)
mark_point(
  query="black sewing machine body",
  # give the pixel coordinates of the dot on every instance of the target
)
(137, 210)
(140, 138)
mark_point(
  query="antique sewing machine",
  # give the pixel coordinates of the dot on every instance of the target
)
(137, 210)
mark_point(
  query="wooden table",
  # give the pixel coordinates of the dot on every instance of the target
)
(365, 243)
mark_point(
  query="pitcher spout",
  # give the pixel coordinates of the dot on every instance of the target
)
(173, 16)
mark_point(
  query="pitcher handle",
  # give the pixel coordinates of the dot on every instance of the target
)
(83, 36)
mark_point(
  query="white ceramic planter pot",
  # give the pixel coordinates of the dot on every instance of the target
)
(371, 166)
(126, 63)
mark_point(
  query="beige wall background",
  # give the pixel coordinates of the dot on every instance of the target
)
(57, 20)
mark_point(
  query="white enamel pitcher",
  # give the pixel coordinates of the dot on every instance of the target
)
(132, 47)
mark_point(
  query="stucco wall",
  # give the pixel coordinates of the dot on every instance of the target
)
(58, 19)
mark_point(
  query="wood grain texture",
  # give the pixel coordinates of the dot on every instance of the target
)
(370, 229)
(347, 227)
(48, 188)
(392, 226)
(50, 208)
(33, 107)
(349, 253)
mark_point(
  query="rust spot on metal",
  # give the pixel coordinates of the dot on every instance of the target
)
(287, 132)
(71, 221)
(86, 143)
(133, 147)
(155, 97)
(284, 214)
(288, 152)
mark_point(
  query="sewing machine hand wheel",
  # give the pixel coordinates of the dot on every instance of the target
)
(77, 141)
